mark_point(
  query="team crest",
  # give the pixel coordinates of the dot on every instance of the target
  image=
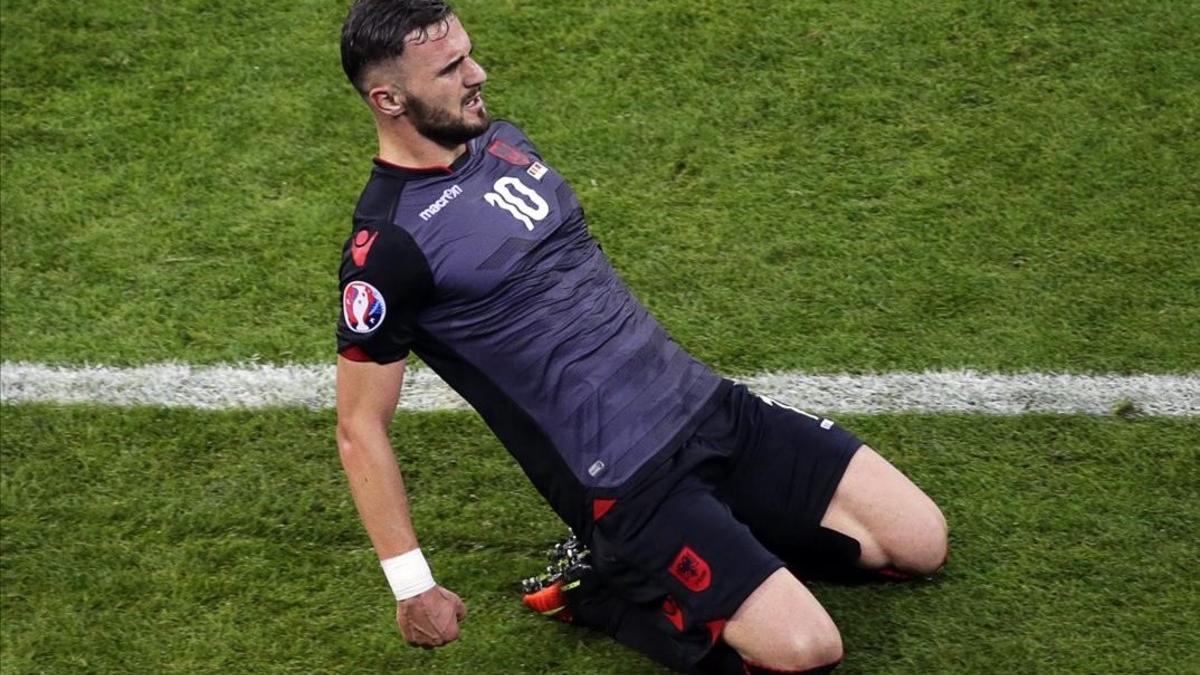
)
(691, 570)
(363, 307)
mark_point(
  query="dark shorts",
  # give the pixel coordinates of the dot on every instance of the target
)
(707, 527)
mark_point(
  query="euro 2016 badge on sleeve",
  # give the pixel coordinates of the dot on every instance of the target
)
(363, 306)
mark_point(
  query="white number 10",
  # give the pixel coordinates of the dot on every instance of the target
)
(535, 209)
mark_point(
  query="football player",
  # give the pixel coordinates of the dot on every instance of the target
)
(696, 501)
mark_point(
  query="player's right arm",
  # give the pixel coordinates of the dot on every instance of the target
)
(367, 393)
(385, 282)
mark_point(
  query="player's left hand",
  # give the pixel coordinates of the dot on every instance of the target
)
(431, 619)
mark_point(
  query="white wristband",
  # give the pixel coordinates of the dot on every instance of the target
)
(408, 574)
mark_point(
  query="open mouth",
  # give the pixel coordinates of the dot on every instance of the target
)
(474, 102)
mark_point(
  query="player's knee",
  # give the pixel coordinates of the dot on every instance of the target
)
(814, 650)
(929, 546)
(784, 636)
(826, 649)
(805, 650)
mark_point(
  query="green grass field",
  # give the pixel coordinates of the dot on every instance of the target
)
(823, 187)
(188, 542)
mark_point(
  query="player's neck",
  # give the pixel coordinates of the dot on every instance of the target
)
(405, 147)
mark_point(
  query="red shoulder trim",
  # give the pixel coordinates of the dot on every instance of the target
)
(509, 154)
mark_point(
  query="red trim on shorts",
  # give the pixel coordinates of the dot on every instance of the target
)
(715, 628)
(601, 507)
(674, 614)
(356, 353)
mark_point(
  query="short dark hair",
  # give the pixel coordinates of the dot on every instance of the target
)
(375, 31)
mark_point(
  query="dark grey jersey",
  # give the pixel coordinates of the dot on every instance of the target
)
(486, 270)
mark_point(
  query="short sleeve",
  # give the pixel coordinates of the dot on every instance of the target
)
(385, 282)
(527, 145)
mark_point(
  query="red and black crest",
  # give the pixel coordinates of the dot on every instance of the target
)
(691, 570)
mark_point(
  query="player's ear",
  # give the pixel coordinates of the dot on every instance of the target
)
(387, 99)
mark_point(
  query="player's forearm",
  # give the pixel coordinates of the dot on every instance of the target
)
(378, 489)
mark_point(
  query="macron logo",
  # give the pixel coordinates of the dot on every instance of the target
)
(447, 197)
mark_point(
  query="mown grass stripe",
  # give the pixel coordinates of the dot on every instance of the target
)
(178, 385)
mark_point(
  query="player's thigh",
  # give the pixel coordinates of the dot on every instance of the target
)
(785, 473)
(685, 561)
(783, 626)
(894, 521)
(688, 547)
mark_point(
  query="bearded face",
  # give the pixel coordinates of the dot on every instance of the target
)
(450, 125)
(435, 87)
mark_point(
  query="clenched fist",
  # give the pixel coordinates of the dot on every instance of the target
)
(430, 619)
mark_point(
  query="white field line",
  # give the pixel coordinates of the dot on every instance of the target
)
(226, 387)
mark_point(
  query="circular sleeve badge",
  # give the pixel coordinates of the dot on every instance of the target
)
(363, 307)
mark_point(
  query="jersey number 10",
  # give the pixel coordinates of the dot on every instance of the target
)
(527, 207)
